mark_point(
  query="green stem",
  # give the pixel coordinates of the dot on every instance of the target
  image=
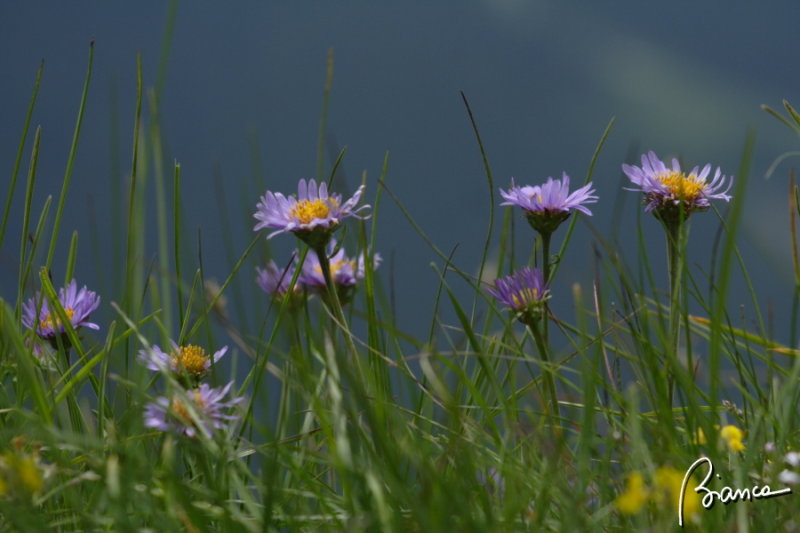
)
(341, 440)
(546, 277)
(674, 232)
(549, 382)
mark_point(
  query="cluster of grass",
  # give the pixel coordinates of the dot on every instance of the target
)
(349, 423)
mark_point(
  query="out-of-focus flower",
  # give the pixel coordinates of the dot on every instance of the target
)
(733, 438)
(77, 304)
(186, 413)
(275, 280)
(312, 216)
(788, 477)
(22, 474)
(667, 191)
(43, 352)
(668, 482)
(189, 359)
(793, 459)
(524, 291)
(548, 205)
(345, 271)
(635, 495)
(700, 436)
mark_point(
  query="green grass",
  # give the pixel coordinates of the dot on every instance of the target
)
(352, 424)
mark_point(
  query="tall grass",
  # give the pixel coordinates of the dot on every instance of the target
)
(349, 423)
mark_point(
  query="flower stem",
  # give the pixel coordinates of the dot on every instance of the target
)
(549, 382)
(338, 409)
(333, 300)
(546, 277)
(675, 251)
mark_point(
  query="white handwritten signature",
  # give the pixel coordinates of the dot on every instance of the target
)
(726, 495)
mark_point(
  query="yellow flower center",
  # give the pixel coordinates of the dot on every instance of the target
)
(307, 210)
(52, 320)
(524, 298)
(190, 358)
(179, 409)
(681, 186)
(336, 266)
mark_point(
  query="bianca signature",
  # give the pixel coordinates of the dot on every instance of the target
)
(726, 495)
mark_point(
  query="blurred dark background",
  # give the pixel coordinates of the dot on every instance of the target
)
(242, 97)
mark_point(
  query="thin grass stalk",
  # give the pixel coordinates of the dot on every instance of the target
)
(550, 385)
(26, 215)
(20, 151)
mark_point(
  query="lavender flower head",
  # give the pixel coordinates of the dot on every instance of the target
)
(312, 216)
(275, 280)
(548, 205)
(201, 410)
(524, 291)
(189, 359)
(667, 190)
(346, 272)
(77, 304)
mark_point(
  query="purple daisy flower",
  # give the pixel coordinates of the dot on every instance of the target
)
(524, 291)
(189, 359)
(199, 410)
(666, 189)
(77, 304)
(275, 280)
(311, 216)
(548, 205)
(345, 271)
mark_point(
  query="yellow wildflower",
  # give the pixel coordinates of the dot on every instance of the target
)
(635, 496)
(700, 436)
(733, 438)
(668, 481)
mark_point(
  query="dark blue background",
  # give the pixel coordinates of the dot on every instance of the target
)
(543, 78)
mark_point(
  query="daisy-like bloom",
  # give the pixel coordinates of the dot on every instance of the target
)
(275, 280)
(184, 360)
(312, 216)
(345, 271)
(548, 205)
(667, 190)
(77, 304)
(524, 291)
(733, 438)
(186, 413)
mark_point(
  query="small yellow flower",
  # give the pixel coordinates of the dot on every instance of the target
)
(733, 438)
(700, 436)
(30, 476)
(20, 473)
(635, 496)
(668, 481)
